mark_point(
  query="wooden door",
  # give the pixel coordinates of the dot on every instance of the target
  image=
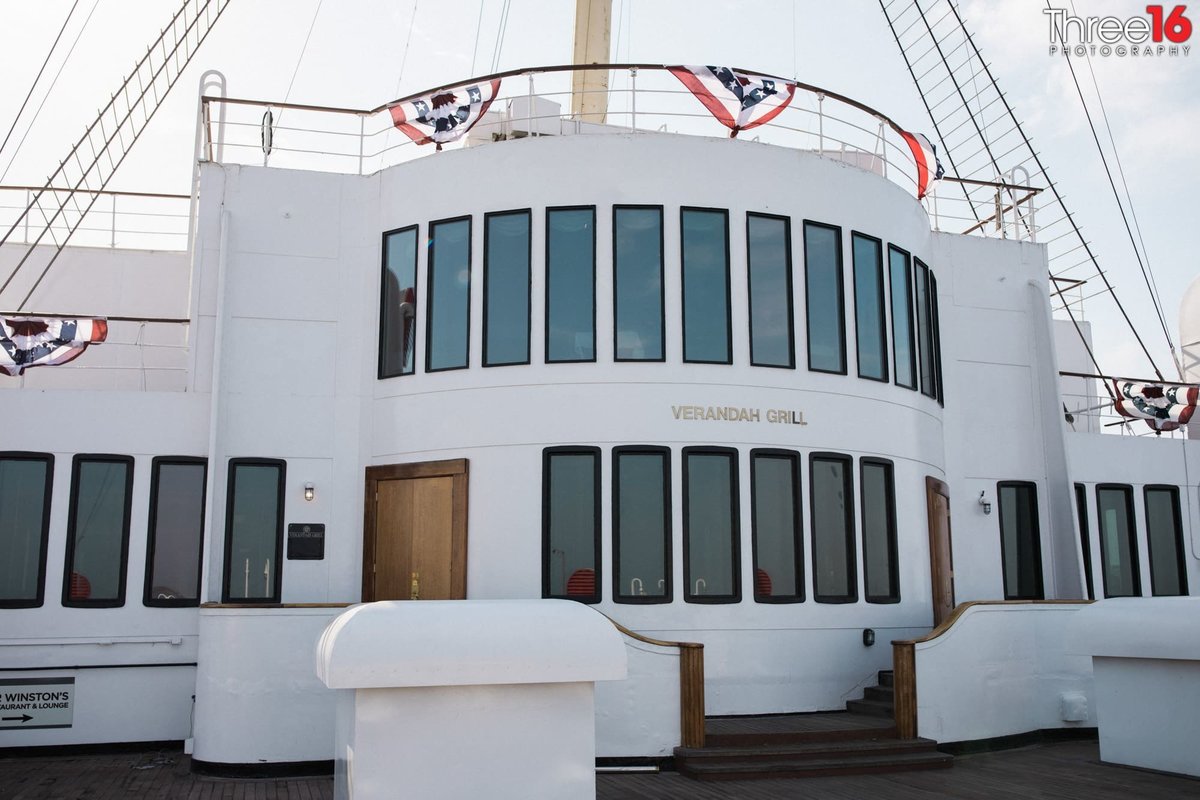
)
(941, 551)
(415, 531)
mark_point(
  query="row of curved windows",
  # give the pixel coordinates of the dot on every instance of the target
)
(892, 293)
(844, 517)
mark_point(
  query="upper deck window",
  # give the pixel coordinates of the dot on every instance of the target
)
(26, 480)
(903, 340)
(506, 288)
(642, 524)
(173, 550)
(398, 303)
(98, 531)
(832, 502)
(925, 330)
(705, 251)
(710, 525)
(1020, 540)
(253, 530)
(1118, 541)
(825, 298)
(638, 283)
(775, 526)
(769, 277)
(571, 523)
(1164, 536)
(869, 318)
(570, 284)
(880, 562)
(448, 319)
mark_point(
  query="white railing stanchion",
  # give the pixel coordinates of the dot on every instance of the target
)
(633, 100)
(362, 126)
(820, 124)
(112, 242)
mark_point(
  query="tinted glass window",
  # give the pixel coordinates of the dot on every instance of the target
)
(1085, 542)
(705, 245)
(879, 532)
(833, 530)
(506, 289)
(823, 290)
(903, 340)
(176, 532)
(1164, 533)
(775, 515)
(638, 283)
(253, 531)
(1118, 549)
(1020, 541)
(868, 307)
(571, 524)
(98, 531)
(25, 484)
(398, 304)
(571, 284)
(642, 525)
(710, 535)
(769, 255)
(924, 330)
(935, 327)
(449, 287)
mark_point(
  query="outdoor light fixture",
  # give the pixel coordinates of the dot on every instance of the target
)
(868, 637)
(309, 492)
(987, 504)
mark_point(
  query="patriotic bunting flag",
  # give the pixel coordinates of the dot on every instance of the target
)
(445, 116)
(1164, 408)
(45, 341)
(739, 101)
(929, 168)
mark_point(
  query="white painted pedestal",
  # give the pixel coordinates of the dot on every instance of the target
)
(467, 698)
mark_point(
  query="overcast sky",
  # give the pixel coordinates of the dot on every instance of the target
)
(357, 57)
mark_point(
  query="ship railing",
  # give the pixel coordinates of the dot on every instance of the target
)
(641, 99)
(130, 220)
(1088, 408)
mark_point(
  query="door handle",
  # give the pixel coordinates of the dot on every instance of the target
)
(415, 593)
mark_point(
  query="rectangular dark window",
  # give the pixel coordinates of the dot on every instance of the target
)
(832, 503)
(928, 370)
(571, 284)
(775, 526)
(638, 283)
(880, 568)
(1020, 540)
(571, 523)
(506, 246)
(769, 276)
(175, 544)
(1085, 538)
(824, 298)
(642, 524)
(254, 530)
(1164, 537)
(448, 290)
(710, 525)
(98, 531)
(26, 481)
(869, 316)
(705, 253)
(936, 328)
(1118, 541)
(904, 348)
(398, 303)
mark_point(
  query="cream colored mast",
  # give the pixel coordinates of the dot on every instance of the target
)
(589, 88)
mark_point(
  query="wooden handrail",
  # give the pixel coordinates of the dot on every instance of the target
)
(691, 684)
(904, 659)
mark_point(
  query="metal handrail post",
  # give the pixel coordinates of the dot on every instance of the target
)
(362, 127)
(112, 241)
(820, 124)
(633, 91)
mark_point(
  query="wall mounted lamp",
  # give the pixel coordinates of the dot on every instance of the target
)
(987, 504)
(309, 492)
(868, 636)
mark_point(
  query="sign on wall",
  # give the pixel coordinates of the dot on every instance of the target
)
(306, 541)
(31, 703)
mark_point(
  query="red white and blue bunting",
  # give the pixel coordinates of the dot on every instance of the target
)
(1163, 407)
(740, 101)
(45, 341)
(446, 115)
(929, 168)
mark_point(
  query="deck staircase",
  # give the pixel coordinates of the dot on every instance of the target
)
(858, 741)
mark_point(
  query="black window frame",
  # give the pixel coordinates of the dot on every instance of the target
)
(735, 533)
(909, 295)
(1039, 569)
(936, 331)
(808, 298)
(921, 273)
(430, 258)
(791, 310)
(546, 307)
(851, 527)
(152, 532)
(1180, 551)
(724, 212)
(883, 309)
(487, 217)
(597, 511)
(1135, 568)
(668, 588)
(662, 282)
(226, 571)
(73, 518)
(1085, 538)
(797, 522)
(44, 539)
(892, 536)
(383, 271)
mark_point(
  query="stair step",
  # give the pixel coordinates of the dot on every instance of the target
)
(887, 677)
(783, 729)
(803, 768)
(823, 750)
(875, 708)
(886, 694)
